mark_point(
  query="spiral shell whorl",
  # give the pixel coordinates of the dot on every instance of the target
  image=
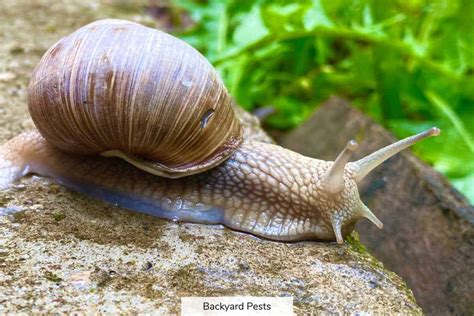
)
(117, 85)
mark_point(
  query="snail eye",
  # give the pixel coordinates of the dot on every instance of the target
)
(205, 118)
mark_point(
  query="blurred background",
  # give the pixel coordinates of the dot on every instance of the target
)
(409, 65)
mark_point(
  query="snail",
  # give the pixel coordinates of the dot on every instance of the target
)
(136, 117)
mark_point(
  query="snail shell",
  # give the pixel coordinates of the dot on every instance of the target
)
(122, 89)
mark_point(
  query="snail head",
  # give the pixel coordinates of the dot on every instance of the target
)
(339, 183)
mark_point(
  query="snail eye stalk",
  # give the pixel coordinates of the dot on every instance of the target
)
(368, 163)
(334, 181)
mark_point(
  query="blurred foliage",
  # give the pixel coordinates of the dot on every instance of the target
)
(407, 64)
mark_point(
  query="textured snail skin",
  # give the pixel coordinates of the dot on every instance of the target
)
(262, 188)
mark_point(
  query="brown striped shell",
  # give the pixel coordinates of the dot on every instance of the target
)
(118, 88)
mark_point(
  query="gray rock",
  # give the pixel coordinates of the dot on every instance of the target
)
(64, 252)
(61, 252)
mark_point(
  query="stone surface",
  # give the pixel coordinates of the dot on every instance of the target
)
(65, 253)
(61, 252)
(428, 234)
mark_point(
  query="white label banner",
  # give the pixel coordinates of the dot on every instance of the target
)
(236, 306)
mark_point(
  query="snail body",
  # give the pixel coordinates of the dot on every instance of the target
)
(251, 186)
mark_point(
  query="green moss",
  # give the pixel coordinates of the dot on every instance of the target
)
(58, 216)
(52, 277)
(151, 293)
(353, 241)
(356, 245)
(100, 277)
(4, 200)
(184, 273)
(186, 278)
(20, 217)
(185, 237)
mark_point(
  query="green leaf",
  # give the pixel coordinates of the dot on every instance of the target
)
(451, 115)
(466, 185)
(316, 17)
(251, 28)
